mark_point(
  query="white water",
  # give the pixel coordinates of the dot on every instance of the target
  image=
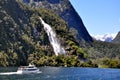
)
(53, 39)
(10, 73)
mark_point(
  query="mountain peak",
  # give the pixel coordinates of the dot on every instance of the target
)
(117, 38)
(107, 37)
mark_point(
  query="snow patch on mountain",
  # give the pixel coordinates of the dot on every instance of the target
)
(107, 37)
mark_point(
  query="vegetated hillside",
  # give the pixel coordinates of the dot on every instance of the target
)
(13, 21)
(101, 50)
(117, 39)
(105, 54)
(23, 39)
(66, 11)
(105, 49)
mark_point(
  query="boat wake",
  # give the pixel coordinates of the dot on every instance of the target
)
(17, 73)
(9, 73)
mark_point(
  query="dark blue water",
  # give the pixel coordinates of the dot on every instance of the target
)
(60, 73)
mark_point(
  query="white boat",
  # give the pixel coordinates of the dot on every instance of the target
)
(24, 70)
(28, 69)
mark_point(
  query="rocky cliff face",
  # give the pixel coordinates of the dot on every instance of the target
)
(66, 11)
(22, 35)
(23, 39)
(117, 39)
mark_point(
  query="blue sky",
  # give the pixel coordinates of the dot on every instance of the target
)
(99, 16)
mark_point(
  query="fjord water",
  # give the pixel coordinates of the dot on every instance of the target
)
(62, 73)
(58, 49)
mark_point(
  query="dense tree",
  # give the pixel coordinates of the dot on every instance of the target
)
(23, 40)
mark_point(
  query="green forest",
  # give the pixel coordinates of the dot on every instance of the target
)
(19, 45)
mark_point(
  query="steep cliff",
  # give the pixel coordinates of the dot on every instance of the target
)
(117, 39)
(23, 38)
(66, 11)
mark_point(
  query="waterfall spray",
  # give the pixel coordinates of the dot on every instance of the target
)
(58, 49)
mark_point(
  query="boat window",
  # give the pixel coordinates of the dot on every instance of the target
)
(31, 69)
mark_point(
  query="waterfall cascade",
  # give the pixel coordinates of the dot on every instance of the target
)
(58, 49)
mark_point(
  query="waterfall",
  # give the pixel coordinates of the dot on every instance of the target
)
(58, 49)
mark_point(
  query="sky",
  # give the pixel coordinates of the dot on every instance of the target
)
(100, 17)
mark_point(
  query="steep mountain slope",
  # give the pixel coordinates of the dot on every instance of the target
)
(105, 49)
(11, 31)
(23, 39)
(66, 11)
(117, 39)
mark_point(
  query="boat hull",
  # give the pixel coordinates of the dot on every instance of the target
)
(29, 72)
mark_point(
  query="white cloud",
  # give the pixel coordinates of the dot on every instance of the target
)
(107, 37)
